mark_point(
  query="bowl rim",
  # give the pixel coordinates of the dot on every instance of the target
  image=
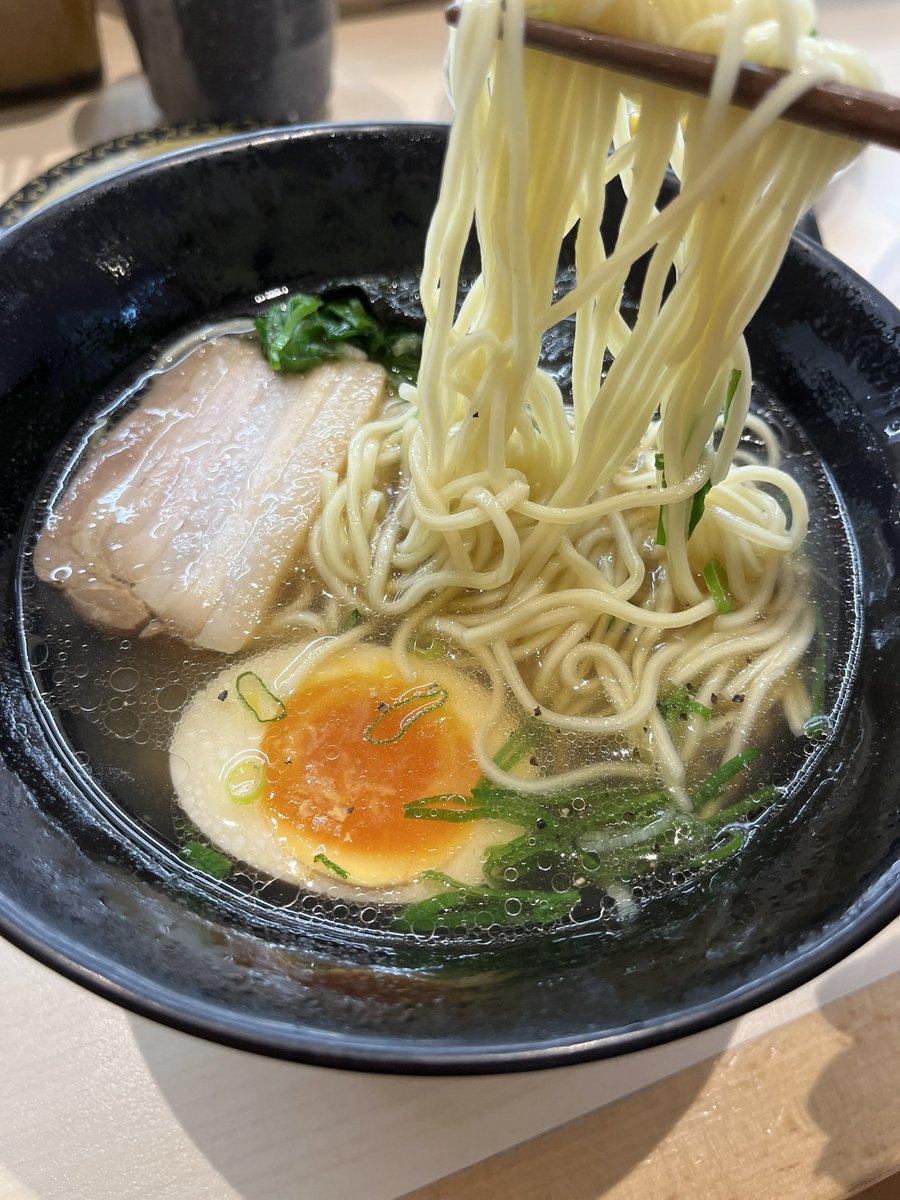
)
(31, 196)
(879, 905)
(173, 142)
(142, 996)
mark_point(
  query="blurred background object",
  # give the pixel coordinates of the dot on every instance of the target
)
(47, 46)
(229, 61)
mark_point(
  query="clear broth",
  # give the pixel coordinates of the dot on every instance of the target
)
(113, 702)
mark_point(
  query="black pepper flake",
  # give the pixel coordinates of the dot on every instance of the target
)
(739, 698)
(537, 710)
(683, 716)
(223, 695)
(691, 687)
(713, 699)
(475, 414)
(533, 760)
(288, 761)
(349, 810)
(382, 707)
(541, 823)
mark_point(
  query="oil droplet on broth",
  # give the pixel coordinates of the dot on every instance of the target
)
(124, 679)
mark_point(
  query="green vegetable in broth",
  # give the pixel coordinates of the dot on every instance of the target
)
(352, 619)
(731, 392)
(302, 331)
(417, 703)
(712, 788)
(819, 723)
(660, 524)
(462, 907)
(593, 834)
(717, 583)
(697, 505)
(245, 779)
(331, 866)
(683, 704)
(210, 861)
(264, 705)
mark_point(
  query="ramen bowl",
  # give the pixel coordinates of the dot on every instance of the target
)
(91, 288)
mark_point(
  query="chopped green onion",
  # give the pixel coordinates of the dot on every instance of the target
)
(817, 697)
(715, 784)
(682, 702)
(819, 726)
(434, 876)
(331, 866)
(433, 808)
(210, 861)
(717, 583)
(517, 745)
(464, 907)
(433, 649)
(718, 853)
(429, 698)
(352, 619)
(818, 723)
(612, 807)
(245, 778)
(697, 505)
(733, 382)
(576, 832)
(264, 705)
(531, 857)
(660, 526)
(731, 813)
(485, 804)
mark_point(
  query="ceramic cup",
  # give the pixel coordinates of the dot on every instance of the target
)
(233, 61)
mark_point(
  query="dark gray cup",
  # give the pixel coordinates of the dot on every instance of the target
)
(227, 61)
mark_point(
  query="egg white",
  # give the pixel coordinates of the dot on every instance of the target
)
(217, 729)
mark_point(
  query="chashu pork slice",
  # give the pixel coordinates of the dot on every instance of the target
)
(192, 508)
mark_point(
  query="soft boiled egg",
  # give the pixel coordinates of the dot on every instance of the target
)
(300, 761)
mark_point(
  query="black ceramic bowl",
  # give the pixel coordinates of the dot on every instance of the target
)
(92, 285)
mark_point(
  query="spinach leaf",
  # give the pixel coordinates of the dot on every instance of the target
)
(302, 331)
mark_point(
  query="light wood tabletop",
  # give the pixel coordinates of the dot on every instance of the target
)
(811, 1110)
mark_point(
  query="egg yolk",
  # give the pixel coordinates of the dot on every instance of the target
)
(352, 750)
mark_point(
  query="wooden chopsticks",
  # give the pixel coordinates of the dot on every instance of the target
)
(831, 107)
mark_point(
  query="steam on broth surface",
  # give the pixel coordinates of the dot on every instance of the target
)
(530, 658)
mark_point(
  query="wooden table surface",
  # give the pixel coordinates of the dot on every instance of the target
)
(811, 1111)
(97, 1104)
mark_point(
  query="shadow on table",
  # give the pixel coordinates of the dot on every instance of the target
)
(274, 1129)
(855, 1101)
